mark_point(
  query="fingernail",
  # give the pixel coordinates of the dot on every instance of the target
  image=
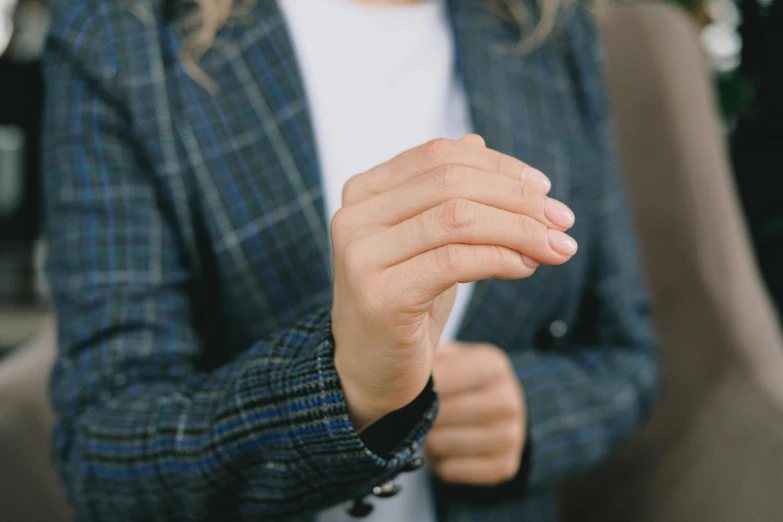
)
(529, 261)
(558, 213)
(562, 243)
(531, 175)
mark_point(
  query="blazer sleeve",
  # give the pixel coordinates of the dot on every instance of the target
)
(588, 395)
(142, 433)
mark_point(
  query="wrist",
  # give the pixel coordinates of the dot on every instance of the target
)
(361, 411)
(385, 435)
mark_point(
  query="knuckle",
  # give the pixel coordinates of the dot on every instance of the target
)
(524, 192)
(352, 190)
(438, 150)
(494, 159)
(339, 224)
(348, 190)
(456, 214)
(497, 260)
(516, 166)
(447, 258)
(447, 178)
(532, 229)
(520, 191)
(503, 259)
(354, 258)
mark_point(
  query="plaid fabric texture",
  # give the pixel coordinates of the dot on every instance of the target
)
(190, 269)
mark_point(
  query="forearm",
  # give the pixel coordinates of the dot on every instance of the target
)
(266, 436)
(581, 404)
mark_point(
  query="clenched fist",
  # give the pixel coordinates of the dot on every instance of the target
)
(443, 213)
(479, 434)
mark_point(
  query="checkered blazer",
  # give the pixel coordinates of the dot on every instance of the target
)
(190, 270)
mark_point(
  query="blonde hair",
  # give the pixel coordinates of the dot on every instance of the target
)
(210, 16)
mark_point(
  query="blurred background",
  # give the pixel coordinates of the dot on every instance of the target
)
(23, 27)
(698, 97)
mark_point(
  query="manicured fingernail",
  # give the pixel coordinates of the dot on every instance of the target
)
(562, 243)
(531, 175)
(529, 261)
(558, 213)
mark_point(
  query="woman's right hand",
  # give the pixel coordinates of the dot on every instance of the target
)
(444, 213)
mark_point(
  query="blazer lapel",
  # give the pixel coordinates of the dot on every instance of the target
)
(252, 151)
(260, 116)
(514, 107)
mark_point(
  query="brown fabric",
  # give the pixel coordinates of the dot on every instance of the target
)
(29, 488)
(712, 450)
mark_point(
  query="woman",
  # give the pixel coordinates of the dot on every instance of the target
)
(215, 365)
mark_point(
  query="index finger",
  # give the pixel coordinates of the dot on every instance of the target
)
(467, 152)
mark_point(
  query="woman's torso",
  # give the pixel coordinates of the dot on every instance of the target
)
(239, 179)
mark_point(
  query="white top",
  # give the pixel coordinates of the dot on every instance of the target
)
(379, 79)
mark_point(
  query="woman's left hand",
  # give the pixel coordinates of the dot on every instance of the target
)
(479, 433)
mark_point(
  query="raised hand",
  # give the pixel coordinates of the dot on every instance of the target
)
(443, 213)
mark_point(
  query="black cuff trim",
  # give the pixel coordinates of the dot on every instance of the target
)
(383, 437)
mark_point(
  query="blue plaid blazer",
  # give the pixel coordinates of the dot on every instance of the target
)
(190, 269)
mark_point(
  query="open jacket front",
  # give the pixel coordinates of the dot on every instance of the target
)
(190, 268)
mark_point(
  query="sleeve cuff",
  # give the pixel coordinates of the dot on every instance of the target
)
(389, 433)
(318, 425)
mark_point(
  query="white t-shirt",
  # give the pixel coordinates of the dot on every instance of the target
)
(379, 79)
